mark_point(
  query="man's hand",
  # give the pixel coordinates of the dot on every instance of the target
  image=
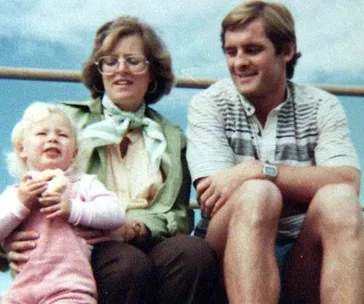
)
(30, 190)
(214, 191)
(55, 204)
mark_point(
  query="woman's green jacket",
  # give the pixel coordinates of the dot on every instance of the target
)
(169, 212)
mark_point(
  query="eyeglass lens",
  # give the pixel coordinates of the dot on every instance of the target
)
(110, 64)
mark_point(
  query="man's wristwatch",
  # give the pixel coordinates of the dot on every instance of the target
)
(270, 171)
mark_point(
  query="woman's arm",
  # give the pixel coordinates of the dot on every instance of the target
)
(177, 216)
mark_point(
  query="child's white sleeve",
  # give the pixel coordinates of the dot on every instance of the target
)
(95, 206)
(12, 212)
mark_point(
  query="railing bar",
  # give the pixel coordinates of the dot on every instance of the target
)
(40, 74)
(190, 83)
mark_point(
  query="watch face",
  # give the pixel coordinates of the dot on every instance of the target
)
(270, 171)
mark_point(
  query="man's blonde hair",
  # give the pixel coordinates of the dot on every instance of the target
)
(278, 24)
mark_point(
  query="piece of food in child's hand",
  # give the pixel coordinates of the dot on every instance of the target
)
(57, 181)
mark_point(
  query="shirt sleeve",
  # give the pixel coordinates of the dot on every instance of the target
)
(12, 212)
(95, 206)
(334, 146)
(208, 150)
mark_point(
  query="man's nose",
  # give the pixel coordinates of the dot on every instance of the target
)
(242, 60)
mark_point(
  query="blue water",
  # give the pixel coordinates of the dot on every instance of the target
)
(5, 280)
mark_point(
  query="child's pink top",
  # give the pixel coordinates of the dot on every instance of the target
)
(61, 261)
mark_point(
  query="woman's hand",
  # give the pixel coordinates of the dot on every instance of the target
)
(18, 245)
(131, 230)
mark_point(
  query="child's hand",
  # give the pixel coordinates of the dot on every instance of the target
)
(30, 190)
(55, 204)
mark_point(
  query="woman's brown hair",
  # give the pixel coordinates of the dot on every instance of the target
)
(155, 51)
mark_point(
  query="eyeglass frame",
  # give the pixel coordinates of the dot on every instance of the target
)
(123, 60)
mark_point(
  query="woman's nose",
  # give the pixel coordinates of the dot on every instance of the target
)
(122, 67)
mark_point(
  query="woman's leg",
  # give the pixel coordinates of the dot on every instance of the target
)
(186, 270)
(123, 273)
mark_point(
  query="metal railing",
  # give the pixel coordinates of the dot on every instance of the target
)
(188, 83)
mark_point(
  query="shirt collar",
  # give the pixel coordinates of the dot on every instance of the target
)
(250, 108)
(247, 105)
(72, 174)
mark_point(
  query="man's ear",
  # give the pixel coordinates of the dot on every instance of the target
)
(288, 51)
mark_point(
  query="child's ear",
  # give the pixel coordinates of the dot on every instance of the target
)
(75, 153)
(20, 151)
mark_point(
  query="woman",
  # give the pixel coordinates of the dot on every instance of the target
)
(141, 156)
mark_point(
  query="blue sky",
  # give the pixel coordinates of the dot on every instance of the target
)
(58, 34)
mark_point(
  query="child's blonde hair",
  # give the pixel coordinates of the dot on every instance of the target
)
(36, 112)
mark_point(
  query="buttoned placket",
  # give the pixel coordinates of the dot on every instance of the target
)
(268, 138)
(264, 139)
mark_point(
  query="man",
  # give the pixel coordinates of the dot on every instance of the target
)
(276, 171)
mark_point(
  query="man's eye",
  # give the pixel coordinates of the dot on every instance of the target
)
(230, 53)
(253, 50)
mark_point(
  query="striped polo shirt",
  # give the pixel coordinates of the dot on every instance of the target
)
(308, 129)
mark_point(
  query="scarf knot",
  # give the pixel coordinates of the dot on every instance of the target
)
(117, 123)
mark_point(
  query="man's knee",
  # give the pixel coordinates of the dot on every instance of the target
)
(337, 207)
(257, 202)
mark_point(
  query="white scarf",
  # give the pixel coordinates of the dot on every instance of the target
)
(117, 123)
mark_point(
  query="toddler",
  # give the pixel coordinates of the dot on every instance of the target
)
(51, 199)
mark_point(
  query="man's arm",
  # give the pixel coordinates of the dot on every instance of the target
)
(214, 191)
(297, 184)
(208, 150)
(335, 159)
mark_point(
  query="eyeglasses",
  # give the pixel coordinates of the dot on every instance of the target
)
(108, 65)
